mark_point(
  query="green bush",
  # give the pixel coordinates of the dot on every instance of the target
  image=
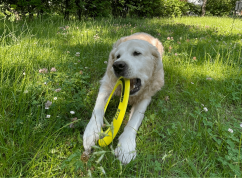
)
(150, 8)
(220, 7)
(97, 8)
(117, 8)
(174, 8)
(146, 8)
(195, 8)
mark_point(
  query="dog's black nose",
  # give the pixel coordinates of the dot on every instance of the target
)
(119, 66)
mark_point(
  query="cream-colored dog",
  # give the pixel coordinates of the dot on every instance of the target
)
(139, 58)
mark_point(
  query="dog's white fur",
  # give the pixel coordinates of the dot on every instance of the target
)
(149, 68)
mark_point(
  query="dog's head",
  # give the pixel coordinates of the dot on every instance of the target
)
(137, 60)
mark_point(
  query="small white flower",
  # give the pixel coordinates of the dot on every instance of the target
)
(47, 116)
(105, 62)
(230, 130)
(44, 71)
(205, 109)
(192, 83)
(86, 67)
(45, 83)
(240, 125)
(53, 69)
(48, 104)
(75, 63)
(24, 73)
(58, 90)
(26, 91)
(55, 98)
(72, 112)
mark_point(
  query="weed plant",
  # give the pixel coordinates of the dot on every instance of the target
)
(49, 79)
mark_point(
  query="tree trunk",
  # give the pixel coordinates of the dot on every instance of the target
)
(204, 7)
(78, 11)
(67, 10)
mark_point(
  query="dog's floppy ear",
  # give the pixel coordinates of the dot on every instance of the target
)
(158, 65)
(158, 72)
(121, 40)
(117, 43)
(155, 53)
(159, 47)
(115, 46)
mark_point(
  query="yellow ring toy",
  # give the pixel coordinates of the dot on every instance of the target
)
(110, 133)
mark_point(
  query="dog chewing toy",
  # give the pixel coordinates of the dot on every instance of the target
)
(108, 136)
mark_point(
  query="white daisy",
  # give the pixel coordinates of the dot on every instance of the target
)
(205, 109)
(230, 130)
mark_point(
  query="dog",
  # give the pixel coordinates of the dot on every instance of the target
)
(137, 57)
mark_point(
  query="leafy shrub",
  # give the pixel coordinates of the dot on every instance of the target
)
(174, 8)
(97, 8)
(146, 8)
(194, 8)
(103, 8)
(119, 8)
(220, 7)
(150, 8)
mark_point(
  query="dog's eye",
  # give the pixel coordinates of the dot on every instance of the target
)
(136, 53)
(118, 56)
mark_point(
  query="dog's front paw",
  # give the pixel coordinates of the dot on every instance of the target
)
(91, 134)
(125, 150)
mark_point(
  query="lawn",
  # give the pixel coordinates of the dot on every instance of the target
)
(49, 79)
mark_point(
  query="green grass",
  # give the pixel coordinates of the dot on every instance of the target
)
(177, 137)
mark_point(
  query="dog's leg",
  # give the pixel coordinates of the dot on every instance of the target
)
(125, 150)
(91, 134)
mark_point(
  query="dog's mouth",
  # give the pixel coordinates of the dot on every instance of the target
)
(135, 85)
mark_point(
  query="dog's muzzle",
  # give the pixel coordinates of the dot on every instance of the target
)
(120, 68)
